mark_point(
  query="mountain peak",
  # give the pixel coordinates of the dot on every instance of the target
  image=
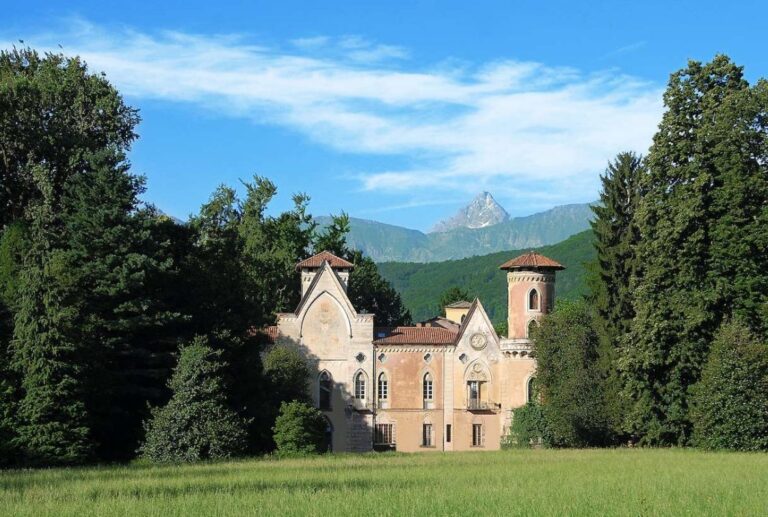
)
(482, 211)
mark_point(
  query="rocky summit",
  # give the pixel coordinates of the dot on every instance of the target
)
(481, 212)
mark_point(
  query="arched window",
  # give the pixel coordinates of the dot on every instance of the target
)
(531, 326)
(383, 386)
(533, 300)
(326, 388)
(531, 389)
(360, 386)
(428, 386)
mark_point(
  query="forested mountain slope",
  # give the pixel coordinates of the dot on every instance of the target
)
(420, 285)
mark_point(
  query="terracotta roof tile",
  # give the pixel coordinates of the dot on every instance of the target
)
(531, 260)
(413, 336)
(461, 304)
(324, 256)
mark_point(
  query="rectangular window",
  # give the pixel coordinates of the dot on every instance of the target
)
(448, 433)
(477, 435)
(426, 435)
(385, 434)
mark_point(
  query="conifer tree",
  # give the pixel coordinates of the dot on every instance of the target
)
(616, 237)
(615, 240)
(124, 321)
(703, 225)
(52, 419)
(197, 423)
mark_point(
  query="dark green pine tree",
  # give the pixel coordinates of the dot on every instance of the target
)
(197, 423)
(52, 422)
(615, 239)
(125, 320)
(703, 223)
(616, 236)
(12, 246)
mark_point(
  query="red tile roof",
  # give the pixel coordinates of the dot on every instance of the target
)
(531, 260)
(461, 304)
(324, 256)
(413, 336)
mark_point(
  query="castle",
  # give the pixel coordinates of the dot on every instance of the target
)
(446, 384)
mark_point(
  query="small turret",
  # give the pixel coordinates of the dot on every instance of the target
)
(309, 268)
(530, 291)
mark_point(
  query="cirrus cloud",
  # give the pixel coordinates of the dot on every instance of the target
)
(524, 128)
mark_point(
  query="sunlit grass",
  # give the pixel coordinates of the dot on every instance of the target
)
(537, 482)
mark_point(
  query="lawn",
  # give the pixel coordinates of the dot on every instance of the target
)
(525, 482)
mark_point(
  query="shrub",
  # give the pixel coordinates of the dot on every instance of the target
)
(730, 402)
(197, 423)
(299, 429)
(528, 427)
(570, 379)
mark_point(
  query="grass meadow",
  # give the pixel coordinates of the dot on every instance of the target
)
(520, 482)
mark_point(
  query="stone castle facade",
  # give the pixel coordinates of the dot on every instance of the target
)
(449, 383)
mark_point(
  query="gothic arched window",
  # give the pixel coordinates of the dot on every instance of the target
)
(360, 386)
(428, 386)
(383, 386)
(531, 389)
(533, 300)
(326, 388)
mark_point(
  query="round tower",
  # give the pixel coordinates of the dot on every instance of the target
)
(530, 291)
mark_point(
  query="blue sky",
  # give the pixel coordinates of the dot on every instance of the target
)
(393, 111)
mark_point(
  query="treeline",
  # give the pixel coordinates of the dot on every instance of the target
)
(670, 348)
(102, 297)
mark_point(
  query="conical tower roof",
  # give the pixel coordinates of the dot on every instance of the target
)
(531, 260)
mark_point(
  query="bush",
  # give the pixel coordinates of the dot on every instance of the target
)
(197, 423)
(569, 377)
(529, 427)
(299, 429)
(730, 402)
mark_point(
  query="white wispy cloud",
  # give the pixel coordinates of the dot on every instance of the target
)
(520, 127)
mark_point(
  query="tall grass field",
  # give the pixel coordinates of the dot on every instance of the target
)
(525, 482)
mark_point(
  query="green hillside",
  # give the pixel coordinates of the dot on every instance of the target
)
(421, 285)
(385, 242)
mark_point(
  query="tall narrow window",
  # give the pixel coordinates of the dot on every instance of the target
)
(360, 386)
(473, 388)
(428, 387)
(426, 435)
(383, 386)
(531, 389)
(448, 433)
(477, 435)
(326, 388)
(533, 300)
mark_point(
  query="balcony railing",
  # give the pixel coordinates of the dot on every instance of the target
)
(482, 405)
